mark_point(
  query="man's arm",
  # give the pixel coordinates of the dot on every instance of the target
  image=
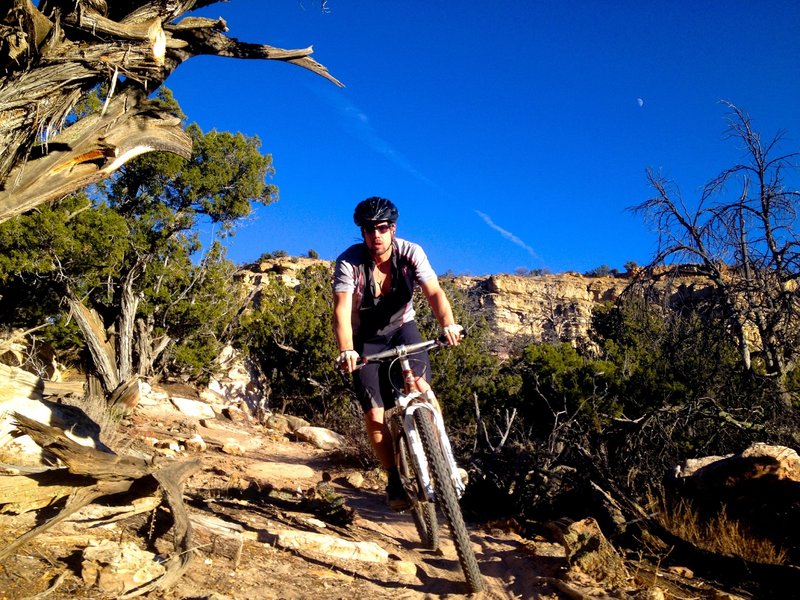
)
(343, 328)
(442, 310)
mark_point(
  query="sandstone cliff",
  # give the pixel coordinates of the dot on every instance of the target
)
(518, 308)
(541, 308)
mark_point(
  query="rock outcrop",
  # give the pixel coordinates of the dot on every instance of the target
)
(759, 488)
(287, 270)
(519, 309)
(541, 308)
(538, 308)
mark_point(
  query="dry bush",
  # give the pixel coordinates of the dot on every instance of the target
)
(98, 410)
(719, 534)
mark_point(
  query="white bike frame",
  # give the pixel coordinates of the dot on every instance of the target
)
(410, 404)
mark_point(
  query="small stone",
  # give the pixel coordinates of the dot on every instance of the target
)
(196, 443)
(172, 445)
(232, 448)
(316, 523)
(116, 568)
(684, 572)
(355, 479)
(404, 567)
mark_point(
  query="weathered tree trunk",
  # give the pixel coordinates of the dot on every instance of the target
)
(51, 56)
(129, 302)
(148, 349)
(92, 474)
(100, 347)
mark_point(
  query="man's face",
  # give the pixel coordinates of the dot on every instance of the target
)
(378, 237)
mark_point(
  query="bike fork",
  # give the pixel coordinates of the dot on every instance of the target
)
(418, 453)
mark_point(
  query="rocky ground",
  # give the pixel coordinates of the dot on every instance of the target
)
(285, 519)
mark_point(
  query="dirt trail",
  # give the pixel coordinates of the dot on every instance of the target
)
(508, 564)
(239, 489)
(512, 567)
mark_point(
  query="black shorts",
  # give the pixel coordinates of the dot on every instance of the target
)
(375, 383)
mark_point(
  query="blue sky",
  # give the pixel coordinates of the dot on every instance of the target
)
(511, 134)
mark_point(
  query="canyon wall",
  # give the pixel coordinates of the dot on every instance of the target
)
(518, 308)
(541, 308)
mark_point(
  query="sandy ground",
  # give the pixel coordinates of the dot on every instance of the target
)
(257, 491)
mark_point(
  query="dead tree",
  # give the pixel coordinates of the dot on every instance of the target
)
(53, 54)
(745, 244)
(91, 474)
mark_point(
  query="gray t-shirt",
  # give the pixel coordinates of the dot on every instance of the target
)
(380, 316)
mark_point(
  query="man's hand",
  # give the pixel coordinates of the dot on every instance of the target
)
(348, 360)
(453, 333)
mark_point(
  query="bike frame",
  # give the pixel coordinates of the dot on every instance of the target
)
(411, 400)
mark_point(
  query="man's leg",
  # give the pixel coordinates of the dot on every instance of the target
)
(379, 437)
(381, 440)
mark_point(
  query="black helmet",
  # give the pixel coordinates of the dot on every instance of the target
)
(374, 210)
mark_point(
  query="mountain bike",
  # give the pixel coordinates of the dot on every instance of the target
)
(425, 460)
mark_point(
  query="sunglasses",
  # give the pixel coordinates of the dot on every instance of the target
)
(382, 228)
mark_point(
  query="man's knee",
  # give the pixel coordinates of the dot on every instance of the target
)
(373, 417)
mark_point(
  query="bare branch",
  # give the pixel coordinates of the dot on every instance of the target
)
(65, 48)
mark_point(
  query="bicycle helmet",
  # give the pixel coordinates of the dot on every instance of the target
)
(374, 210)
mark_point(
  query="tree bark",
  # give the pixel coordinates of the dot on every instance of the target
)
(102, 351)
(52, 55)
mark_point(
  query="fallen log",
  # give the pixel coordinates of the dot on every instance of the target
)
(92, 474)
(25, 490)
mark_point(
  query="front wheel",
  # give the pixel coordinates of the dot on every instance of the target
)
(422, 511)
(448, 500)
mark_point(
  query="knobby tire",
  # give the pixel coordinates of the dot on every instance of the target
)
(447, 499)
(422, 511)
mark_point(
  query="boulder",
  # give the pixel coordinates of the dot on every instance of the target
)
(193, 408)
(240, 382)
(285, 423)
(322, 438)
(331, 546)
(270, 472)
(757, 461)
(236, 415)
(759, 488)
(588, 550)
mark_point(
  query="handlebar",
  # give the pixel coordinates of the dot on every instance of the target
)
(402, 350)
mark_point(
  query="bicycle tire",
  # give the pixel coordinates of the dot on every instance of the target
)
(448, 500)
(422, 511)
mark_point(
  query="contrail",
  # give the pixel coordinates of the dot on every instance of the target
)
(357, 122)
(508, 235)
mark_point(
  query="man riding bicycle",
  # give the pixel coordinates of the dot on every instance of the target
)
(373, 287)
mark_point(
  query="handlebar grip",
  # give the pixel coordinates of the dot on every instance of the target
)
(442, 339)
